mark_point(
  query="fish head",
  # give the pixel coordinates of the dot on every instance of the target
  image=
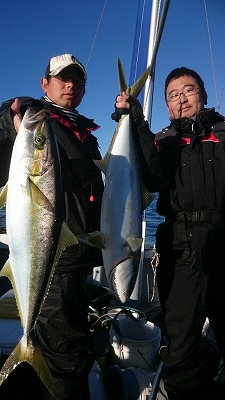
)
(31, 150)
(123, 277)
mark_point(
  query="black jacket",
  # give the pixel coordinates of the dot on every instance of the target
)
(187, 162)
(80, 178)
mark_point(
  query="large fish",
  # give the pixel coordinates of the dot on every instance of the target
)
(37, 235)
(123, 202)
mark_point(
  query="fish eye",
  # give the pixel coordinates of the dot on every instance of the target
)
(39, 141)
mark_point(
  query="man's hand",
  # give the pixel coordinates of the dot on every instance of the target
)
(16, 114)
(121, 101)
(126, 104)
(121, 107)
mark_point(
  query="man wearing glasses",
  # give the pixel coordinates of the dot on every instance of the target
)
(185, 163)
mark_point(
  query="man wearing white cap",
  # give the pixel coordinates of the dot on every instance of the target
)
(62, 328)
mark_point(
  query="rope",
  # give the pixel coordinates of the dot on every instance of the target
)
(139, 41)
(211, 53)
(96, 33)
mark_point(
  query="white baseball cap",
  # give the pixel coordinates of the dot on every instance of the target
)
(58, 63)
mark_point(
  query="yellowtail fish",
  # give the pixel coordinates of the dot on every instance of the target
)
(123, 202)
(37, 235)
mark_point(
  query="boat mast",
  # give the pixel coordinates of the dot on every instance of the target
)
(155, 33)
(148, 90)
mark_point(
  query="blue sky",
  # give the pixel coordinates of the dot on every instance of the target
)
(31, 32)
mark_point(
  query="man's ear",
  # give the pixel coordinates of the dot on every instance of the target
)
(205, 97)
(44, 83)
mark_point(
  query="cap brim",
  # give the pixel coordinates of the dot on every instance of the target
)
(60, 69)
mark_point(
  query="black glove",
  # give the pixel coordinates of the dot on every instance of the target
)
(119, 112)
(136, 111)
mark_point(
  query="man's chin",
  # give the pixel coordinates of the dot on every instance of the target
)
(68, 105)
(186, 112)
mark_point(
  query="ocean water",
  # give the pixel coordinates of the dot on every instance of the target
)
(2, 221)
(150, 215)
(152, 220)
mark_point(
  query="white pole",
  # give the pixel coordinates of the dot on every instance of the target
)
(152, 36)
(137, 294)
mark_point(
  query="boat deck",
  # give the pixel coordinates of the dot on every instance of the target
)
(100, 297)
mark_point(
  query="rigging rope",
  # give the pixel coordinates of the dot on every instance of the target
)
(139, 41)
(211, 53)
(96, 33)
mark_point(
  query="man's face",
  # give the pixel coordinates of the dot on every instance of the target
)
(184, 97)
(65, 89)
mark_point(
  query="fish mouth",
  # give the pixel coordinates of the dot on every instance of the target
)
(123, 277)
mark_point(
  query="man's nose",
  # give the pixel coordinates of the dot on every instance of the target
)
(183, 98)
(69, 83)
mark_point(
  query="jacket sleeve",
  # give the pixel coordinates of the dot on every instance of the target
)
(144, 143)
(7, 130)
(146, 148)
(151, 169)
(8, 133)
(7, 137)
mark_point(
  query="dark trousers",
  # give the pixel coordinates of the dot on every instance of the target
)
(191, 284)
(63, 334)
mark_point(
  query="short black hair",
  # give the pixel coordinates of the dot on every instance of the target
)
(184, 71)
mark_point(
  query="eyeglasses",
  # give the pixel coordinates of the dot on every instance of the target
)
(189, 91)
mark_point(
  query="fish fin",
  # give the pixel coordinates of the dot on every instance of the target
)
(40, 366)
(136, 88)
(32, 355)
(122, 80)
(3, 195)
(102, 164)
(134, 243)
(66, 239)
(38, 196)
(95, 239)
(6, 271)
(147, 197)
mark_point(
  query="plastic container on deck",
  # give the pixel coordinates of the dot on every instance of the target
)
(135, 343)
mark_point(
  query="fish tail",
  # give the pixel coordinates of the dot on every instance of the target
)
(3, 196)
(25, 351)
